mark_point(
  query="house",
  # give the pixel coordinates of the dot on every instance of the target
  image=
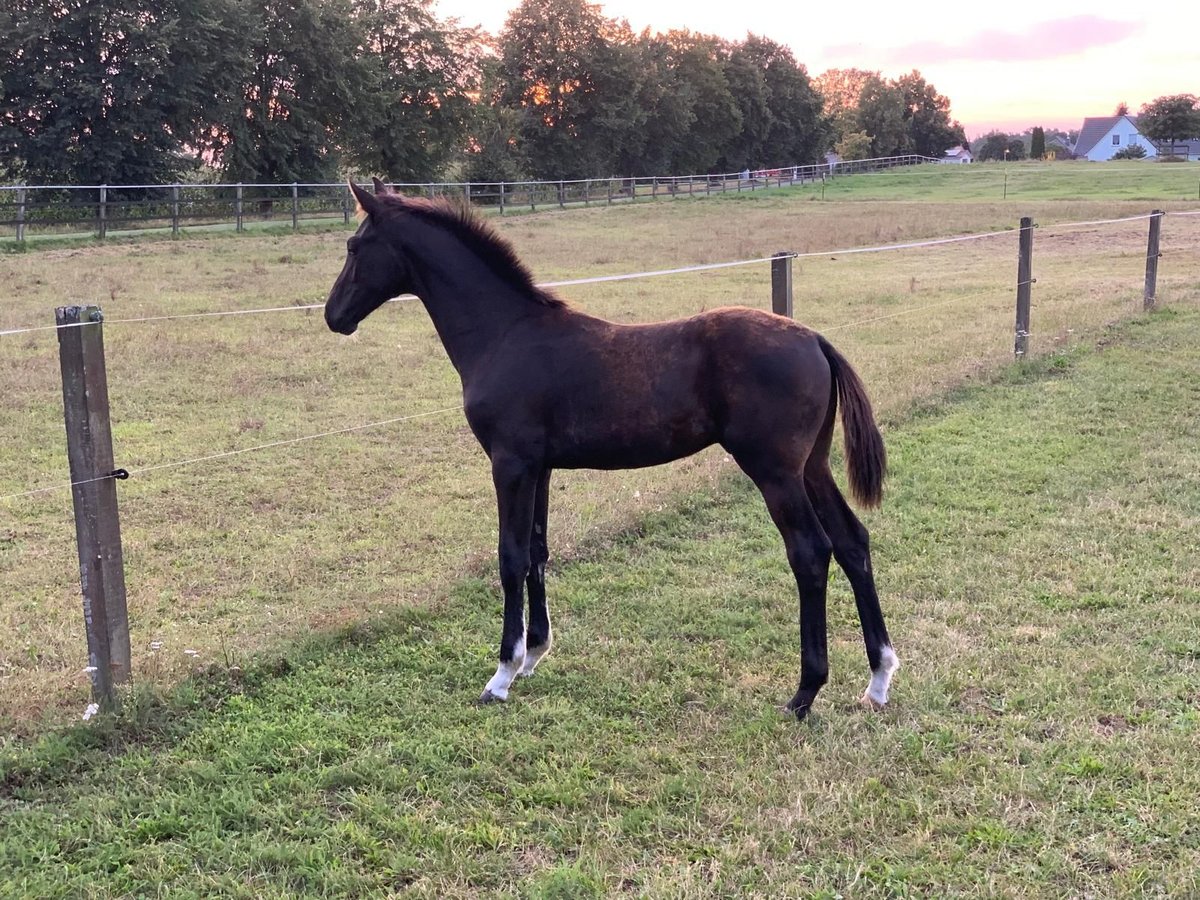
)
(1102, 137)
(959, 154)
(1189, 149)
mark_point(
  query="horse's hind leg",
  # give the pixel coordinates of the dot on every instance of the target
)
(808, 552)
(851, 549)
(538, 636)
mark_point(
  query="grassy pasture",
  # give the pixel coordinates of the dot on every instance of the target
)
(1037, 559)
(234, 557)
(1023, 181)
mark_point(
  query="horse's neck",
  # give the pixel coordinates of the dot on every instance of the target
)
(470, 305)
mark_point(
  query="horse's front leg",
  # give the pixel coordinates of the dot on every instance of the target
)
(516, 487)
(538, 636)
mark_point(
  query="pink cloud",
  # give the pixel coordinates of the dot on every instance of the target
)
(1048, 40)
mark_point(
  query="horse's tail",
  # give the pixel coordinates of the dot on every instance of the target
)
(866, 458)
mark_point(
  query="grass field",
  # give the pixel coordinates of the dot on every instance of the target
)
(1036, 554)
(248, 555)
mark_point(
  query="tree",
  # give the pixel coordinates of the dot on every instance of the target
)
(797, 130)
(1122, 109)
(1132, 151)
(96, 91)
(855, 145)
(840, 90)
(577, 90)
(881, 115)
(1168, 119)
(991, 146)
(301, 82)
(421, 77)
(697, 63)
(931, 131)
(1015, 149)
(1037, 143)
(748, 85)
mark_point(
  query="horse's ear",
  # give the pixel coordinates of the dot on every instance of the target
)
(382, 187)
(365, 200)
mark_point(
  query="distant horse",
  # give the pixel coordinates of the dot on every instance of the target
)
(548, 387)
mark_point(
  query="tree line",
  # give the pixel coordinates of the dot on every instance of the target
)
(155, 91)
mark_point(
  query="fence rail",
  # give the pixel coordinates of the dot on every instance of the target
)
(102, 210)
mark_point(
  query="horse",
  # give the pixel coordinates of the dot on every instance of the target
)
(546, 386)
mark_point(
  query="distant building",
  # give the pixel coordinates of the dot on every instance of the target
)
(959, 154)
(1102, 137)
(1189, 149)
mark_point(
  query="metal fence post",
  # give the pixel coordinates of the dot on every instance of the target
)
(1024, 287)
(781, 284)
(97, 526)
(1149, 296)
(237, 208)
(102, 230)
(21, 213)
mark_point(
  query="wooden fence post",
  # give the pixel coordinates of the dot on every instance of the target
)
(1149, 296)
(102, 230)
(502, 198)
(1024, 287)
(587, 192)
(175, 210)
(781, 284)
(346, 206)
(21, 213)
(237, 208)
(97, 526)
(467, 193)
(295, 206)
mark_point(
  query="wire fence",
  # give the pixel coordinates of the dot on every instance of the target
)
(108, 210)
(994, 309)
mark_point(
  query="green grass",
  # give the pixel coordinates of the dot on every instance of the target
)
(1036, 555)
(1020, 182)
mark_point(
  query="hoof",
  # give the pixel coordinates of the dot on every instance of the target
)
(869, 702)
(800, 712)
(488, 697)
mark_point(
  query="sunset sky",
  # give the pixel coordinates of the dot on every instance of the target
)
(1006, 65)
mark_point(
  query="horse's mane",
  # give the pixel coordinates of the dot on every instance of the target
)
(479, 237)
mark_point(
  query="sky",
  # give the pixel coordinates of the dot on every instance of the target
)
(1008, 66)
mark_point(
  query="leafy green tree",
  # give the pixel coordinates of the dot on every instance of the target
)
(840, 90)
(931, 131)
(1015, 148)
(300, 83)
(575, 89)
(798, 130)
(421, 77)
(1037, 143)
(748, 85)
(493, 133)
(881, 115)
(1168, 119)
(697, 64)
(1131, 151)
(856, 145)
(96, 91)
(991, 147)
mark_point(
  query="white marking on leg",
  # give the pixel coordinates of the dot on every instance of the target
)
(506, 672)
(876, 696)
(534, 655)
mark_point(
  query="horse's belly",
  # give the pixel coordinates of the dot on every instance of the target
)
(627, 444)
